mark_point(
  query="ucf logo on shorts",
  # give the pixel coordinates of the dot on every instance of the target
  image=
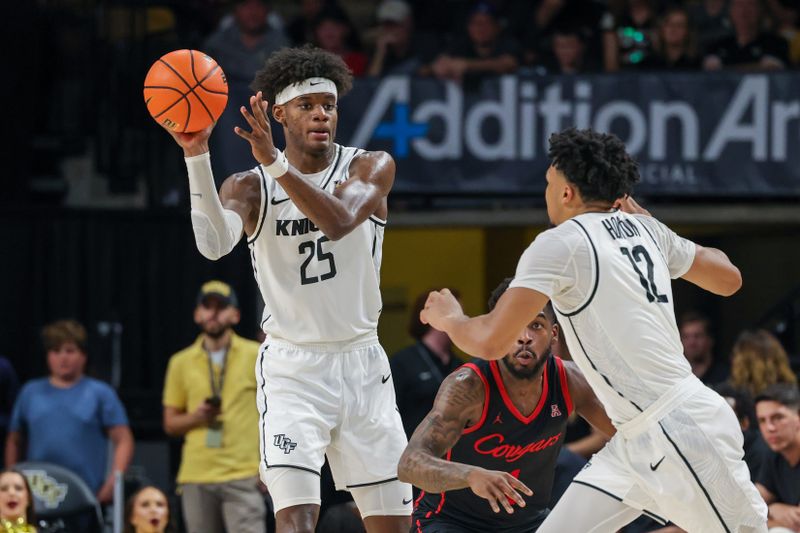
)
(284, 443)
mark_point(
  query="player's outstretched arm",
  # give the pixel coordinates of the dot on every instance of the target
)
(337, 214)
(713, 271)
(217, 219)
(458, 403)
(710, 270)
(585, 401)
(486, 336)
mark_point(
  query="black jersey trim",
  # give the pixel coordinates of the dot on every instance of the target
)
(303, 468)
(696, 478)
(263, 217)
(377, 220)
(334, 166)
(594, 367)
(374, 240)
(485, 409)
(371, 483)
(596, 270)
(652, 515)
(264, 414)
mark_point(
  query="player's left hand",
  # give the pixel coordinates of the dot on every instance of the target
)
(260, 137)
(440, 306)
(631, 206)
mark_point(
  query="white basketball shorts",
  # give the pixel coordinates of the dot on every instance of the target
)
(684, 466)
(339, 401)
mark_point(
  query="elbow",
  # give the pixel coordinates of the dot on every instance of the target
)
(404, 467)
(335, 232)
(491, 349)
(171, 431)
(733, 283)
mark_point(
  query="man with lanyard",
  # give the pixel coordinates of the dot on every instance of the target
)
(209, 399)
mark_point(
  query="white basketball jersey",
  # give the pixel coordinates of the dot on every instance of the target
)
(609, 278)
(315, 290)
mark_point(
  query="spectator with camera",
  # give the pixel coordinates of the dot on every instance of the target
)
(210, 400)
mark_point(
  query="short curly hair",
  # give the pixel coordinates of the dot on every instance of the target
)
(596, 163)
(292, 65)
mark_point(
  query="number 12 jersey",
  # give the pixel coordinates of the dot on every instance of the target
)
(315, 290)
(609, 277)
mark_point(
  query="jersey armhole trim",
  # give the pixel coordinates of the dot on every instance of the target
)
(334, 166)
(263, 211)
(562, 377)
(485, 409)
(595, 270)
(378, 221)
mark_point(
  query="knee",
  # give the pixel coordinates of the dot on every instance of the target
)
(297, 519)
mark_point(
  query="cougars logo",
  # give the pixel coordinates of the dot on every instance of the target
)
(494, 445)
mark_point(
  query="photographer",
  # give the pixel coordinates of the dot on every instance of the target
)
(210, 400)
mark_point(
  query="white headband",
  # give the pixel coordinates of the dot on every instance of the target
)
(307, 86)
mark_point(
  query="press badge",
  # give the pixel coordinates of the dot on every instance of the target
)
(214, 435)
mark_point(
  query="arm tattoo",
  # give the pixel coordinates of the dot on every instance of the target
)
(459, 401)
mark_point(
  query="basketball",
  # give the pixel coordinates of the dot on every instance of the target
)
(185, 91)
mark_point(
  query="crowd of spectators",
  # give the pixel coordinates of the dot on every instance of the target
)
(467, 41)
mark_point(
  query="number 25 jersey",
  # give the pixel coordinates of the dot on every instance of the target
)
(609, 276)
(315, 290)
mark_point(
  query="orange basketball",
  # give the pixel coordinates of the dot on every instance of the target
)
(185, 91)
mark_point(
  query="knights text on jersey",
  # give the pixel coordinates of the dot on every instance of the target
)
(609, 278)
(506, 440)
(315, 290)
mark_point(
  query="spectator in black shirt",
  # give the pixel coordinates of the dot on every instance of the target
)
(485, 51)
(398, 48)
(674, 49)
(417, 371)
(569, 51)
(301, 28)
(749, 48)
(778, 412)
(755, 449)
(698, 346)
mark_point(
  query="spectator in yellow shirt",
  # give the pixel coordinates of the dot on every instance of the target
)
(210, 400)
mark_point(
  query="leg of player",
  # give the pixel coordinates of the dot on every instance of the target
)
(387, 524)
(386, 507)
(588, 510)
(297, 519)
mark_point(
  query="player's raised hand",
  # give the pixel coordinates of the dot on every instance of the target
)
(194, 143)
(440, 306)
(499, 488)
(260, 135)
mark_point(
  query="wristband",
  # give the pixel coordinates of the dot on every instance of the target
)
(279, 167)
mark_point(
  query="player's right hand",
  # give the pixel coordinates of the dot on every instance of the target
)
(500, 488)
(194, 143)
(440, 306)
